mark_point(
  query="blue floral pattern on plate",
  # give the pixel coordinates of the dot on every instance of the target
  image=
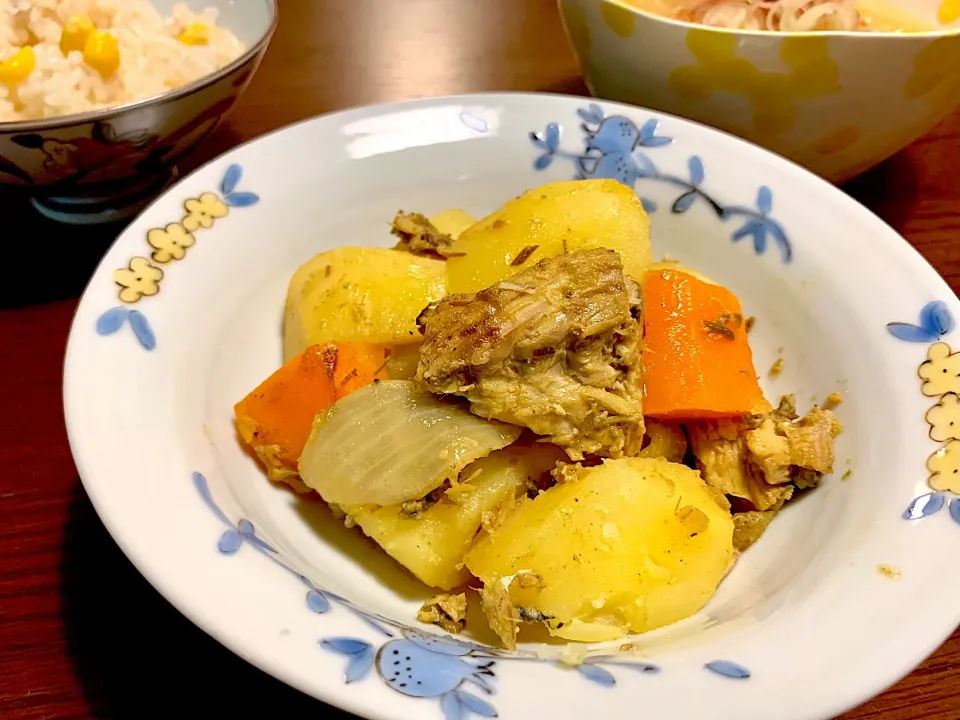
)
(940, 376)
(143, 275)
(417, 664)
(616, 148)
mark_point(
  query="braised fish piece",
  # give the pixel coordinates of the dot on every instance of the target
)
(554, 348)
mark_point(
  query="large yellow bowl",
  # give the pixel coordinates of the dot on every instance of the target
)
(835, 102)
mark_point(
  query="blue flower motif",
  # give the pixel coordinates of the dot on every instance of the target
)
(231, 178)
(760, 226)
(317, 602)
(115, 318)
(228, 186)
(649, 137)
(695, 166)
(596, 674)
(457, 705)
(924, 506)
(936, 320)
(229, 542)
(591, 114)
(360, 655)
(613, 149)
(141, 329)
(764, 200)
(112, 320)
(728, 669)
(432, 667)
(955, 510)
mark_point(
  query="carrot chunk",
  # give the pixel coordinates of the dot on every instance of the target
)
(358, 364)
(696, 359)
(275, 418)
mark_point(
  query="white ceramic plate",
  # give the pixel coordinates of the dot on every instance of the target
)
(849, 589)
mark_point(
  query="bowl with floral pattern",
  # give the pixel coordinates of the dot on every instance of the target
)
(848, 590)
(107, 165)
(837, 102)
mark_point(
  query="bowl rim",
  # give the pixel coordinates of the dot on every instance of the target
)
(635, 9)
(107, 113)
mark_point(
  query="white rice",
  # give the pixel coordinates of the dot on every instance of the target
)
(152, 59)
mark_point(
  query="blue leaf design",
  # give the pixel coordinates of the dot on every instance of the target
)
(780, 237)
(345, 645)
(645, 166)
(658, 141)
(648, 205)
(585, 115)
(683, 203)
(141, 328)
(359, 665)
(476, 705)
(245, 527)
(543, 162)
(553, 137)
(538, 141)
(597, 674)
(749, 229)
(923, 506)
(695, 165)
(935, 318)
(764, 200)
(728, 669)
(112, 320)
(596, 113)
(760, 239)
(229, 542)
(649, 129)
(955, 510)
(317, 602)
(231, 178)
(242, 199)
(203, 487)
(451, 706)
(910, 333)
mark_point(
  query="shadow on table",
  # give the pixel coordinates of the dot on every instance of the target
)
(46, 261)
(137, 657)
(889, 190)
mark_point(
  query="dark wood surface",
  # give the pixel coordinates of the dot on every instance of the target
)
(82, 635)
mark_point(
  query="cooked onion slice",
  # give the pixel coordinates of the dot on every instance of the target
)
(388, 443)
(777, 15)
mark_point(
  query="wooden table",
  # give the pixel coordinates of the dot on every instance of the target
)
(64, 585)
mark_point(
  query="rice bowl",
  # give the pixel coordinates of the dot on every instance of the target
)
(61, 57)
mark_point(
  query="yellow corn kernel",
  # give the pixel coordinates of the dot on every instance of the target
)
(75, 34)
(102, 53)
(16, 69)
(196, 34)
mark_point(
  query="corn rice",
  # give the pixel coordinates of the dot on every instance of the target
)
(59, 57)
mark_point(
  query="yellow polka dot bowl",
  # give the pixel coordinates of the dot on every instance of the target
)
(835, 102)
(109, 164)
